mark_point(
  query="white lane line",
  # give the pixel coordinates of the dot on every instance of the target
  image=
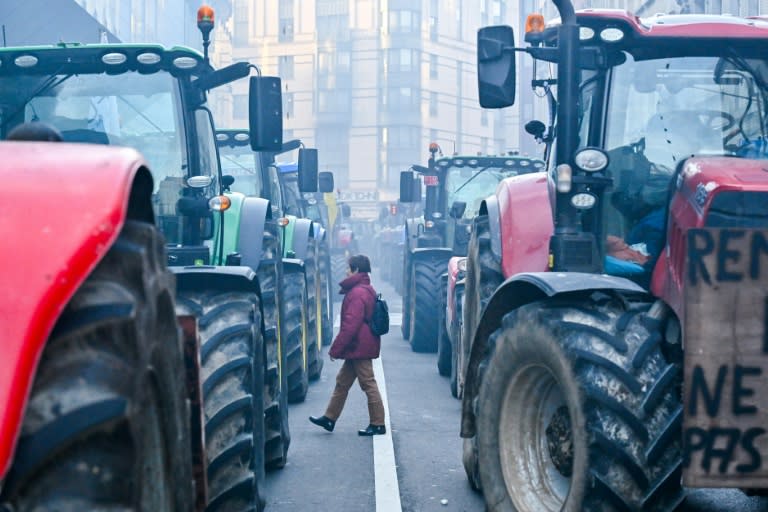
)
(385, 471)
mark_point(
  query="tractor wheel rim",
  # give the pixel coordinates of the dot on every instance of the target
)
(533, 464)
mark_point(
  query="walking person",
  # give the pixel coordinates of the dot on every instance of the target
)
(357, 346)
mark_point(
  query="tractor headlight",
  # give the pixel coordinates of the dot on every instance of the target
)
(564, 178)
(219, 203)
(583, 201)
(591, 160)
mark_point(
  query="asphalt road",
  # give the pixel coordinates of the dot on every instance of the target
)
(342, 471)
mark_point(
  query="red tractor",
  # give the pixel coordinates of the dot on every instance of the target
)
(96, 408)
(615, 307)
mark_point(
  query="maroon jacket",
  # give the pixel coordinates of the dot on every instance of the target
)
(355, 339)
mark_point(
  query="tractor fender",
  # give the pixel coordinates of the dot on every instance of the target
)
(84, 194)
(319, 231)
(412, 231)
(423, 253)
(303, 232)
(209, 277)
(513, 293)
(490, 207)
(253, 218)
(291, 265)
(525, 223)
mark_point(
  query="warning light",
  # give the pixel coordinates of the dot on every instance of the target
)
(431, 181)
(205, 14)
(534, 23)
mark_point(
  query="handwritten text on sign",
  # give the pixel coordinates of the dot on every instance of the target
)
(725, 434)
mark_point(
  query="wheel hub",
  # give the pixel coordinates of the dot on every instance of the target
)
(560, 441)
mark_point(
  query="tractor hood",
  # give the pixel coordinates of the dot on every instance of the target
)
(704, 182)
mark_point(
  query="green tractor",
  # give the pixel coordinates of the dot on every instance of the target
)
(225, 251)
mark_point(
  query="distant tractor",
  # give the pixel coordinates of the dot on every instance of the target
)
(99, 394)
(224, 251)
(615, 305)
(454, 186)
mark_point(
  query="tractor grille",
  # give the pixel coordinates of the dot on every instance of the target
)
(734, 209)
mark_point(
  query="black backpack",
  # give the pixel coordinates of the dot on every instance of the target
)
(379, 322)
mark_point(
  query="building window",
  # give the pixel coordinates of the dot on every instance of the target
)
(288, 105)
(240, 106)
(432, 135)
(333, 101)
(434, 9)
(433, 66)
(403, 137)
(483, 117)
(401, 60)
(433, 104)
(285, 67)
(343, 61)
(404, 21)
(241, 23)
(399, 98)
(285, 14)
(484, 145)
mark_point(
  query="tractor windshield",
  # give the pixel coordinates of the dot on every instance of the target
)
(241, 163)
(672, 108)
(139, 111)
(471, 185)
(663, 111)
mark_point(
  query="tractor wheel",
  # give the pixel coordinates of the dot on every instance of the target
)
(443, 338)
(405, 323)
(425, 294)
(328, 290)
(578, 409)
(232, 362)
(483, 277)
(107, 422)
(338, 272)
(456, 333)
(314, 320)
(296, 330)
(277, 436)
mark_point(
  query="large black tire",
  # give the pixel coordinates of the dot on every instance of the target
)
(296, 328)
(425, 295)
(484, 276)
(314, 317)
(277, 436)
(457, 327)
(107, 423)
(329, 289)
(578, 409)
(232, 361)
(443, 338)
(405, 323)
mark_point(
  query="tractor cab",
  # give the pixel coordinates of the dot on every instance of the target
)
(636, 112)
(455, 188)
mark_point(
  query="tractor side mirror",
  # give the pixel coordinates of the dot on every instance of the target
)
(535, 128)
(308, 170)
(457, 209)
(406, 187)
(326, 182)
(227, 181)
(265, 113)
(496, 71)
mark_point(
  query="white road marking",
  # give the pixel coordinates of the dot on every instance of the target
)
(385, 471)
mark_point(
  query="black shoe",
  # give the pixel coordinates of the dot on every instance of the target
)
(324, 422)
(373, 430)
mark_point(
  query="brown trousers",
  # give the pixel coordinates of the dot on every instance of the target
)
(362, 370)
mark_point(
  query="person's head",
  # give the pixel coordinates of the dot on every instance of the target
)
(359, 263)
(35, 131)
